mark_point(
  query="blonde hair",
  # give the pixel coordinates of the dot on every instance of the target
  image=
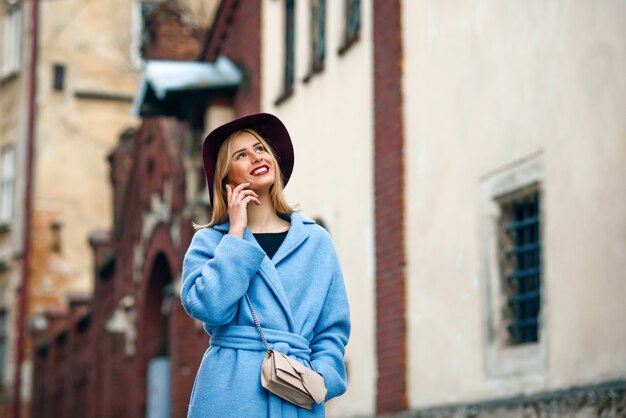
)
(219, 210)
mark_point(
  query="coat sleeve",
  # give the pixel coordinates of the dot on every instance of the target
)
(217, 270)
(331, 336)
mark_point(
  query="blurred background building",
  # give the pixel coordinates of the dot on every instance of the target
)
(88, 65)
(468, 159)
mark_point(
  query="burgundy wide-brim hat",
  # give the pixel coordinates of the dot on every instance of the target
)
(268, 126)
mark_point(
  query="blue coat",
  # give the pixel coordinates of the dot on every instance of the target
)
(300, 299)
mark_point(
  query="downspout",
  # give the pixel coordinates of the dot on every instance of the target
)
(28, 191)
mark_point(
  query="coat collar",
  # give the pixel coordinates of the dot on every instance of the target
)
(297, 234)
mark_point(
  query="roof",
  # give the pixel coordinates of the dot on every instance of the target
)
(164, 83)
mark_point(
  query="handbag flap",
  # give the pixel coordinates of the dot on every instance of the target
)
(282, 384)
(314, 383)
(300, 376)
(286, 371)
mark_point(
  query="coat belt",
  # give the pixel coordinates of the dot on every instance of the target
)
(243, 337)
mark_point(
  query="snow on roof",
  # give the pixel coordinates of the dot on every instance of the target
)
(163, 77)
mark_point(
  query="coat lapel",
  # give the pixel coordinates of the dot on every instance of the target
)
(270, 275)
(295, 237)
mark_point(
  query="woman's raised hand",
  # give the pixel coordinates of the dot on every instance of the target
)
(238, 199)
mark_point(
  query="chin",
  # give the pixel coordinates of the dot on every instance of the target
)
(261, 185)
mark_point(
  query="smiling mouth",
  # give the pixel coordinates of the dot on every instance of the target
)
(260, 171)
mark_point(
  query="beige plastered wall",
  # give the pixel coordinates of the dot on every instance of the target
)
(78, 127)
(515, 92)
(330, 121)
(76, 130)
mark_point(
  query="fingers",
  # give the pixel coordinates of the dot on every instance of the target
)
(246, 196)
(249, 199)
(241, 187)
(240, 194)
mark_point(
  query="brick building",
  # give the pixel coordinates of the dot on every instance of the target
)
(429, 137)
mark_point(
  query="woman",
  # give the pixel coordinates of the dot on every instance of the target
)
(258, 245)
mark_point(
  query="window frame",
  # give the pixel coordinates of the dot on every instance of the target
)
(352, 24)
(289, 52)
(58, 77)
(11, 31)
(501, 357)
(7, 184)
(317, 38)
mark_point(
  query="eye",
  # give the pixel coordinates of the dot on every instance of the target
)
(260, 148)
(240, 156)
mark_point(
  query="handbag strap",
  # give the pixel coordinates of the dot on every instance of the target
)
(258, 324)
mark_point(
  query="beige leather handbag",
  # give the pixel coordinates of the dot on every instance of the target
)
(286, 377)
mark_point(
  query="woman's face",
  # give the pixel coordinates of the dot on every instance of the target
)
(250, 162)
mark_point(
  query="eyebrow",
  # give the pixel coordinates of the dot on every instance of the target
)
(243, 149)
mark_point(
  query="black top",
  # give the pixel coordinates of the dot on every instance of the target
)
(270, 242)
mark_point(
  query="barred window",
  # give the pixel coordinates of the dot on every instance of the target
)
(520, 255)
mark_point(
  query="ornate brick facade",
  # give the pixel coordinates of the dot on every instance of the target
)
(236, 34)
(97, 362)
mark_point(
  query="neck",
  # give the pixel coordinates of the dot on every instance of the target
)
(263, 218)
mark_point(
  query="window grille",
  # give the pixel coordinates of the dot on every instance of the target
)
(521, 256)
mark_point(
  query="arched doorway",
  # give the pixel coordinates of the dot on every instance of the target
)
(156, 368)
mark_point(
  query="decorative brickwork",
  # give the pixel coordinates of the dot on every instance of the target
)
(168, 37)
(94, 358)
(389, 209)
(244, 48)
